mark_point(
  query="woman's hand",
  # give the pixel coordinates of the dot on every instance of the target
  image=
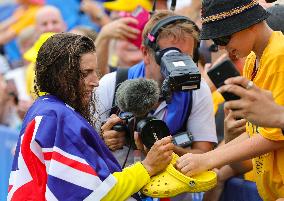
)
(159, 156)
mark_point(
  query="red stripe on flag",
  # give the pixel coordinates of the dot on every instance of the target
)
(9, 188)
(74, 164)
(47, 156)
(35, 189)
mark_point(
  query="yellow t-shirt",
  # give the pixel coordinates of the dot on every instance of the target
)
(217, 100)
(269, 168)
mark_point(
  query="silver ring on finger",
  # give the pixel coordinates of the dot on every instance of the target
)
(249, 85)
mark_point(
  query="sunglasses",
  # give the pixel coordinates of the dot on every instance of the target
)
(222, 41)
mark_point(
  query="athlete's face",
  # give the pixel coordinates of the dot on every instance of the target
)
(88, 66)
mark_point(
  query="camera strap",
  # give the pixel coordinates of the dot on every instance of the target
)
(183, 128)
(121, 76)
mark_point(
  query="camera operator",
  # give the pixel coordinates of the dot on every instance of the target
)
(200, 123)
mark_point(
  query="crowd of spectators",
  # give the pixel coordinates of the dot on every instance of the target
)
(25, 25)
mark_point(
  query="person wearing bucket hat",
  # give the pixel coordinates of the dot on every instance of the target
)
(240, 27)
(220, 19)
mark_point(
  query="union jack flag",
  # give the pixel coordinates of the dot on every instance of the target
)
(59, 156)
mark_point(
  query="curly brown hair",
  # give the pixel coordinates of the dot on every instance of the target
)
(58, 68)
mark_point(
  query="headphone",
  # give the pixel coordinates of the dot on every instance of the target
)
(154, 33)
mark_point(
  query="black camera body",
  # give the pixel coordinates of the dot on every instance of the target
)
(149, 128)
(179, 70)
(182, 72)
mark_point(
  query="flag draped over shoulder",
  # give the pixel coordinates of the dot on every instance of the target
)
(59, 156)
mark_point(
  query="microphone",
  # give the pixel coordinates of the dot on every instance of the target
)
(173, 5)
(137, 96)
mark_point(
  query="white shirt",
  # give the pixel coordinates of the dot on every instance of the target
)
(201, 122)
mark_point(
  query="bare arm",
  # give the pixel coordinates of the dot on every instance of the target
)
(117, 29)
(6, 36)
(191, 164)
(96, 13)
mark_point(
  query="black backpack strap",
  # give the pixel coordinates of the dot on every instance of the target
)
(183, 128)
(121, 75)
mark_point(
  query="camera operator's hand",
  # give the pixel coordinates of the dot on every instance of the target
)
(113, 139)
(159, 156)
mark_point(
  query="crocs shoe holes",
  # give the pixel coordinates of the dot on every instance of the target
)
(192, 183)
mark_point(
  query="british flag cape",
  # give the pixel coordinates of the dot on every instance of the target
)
(59, 156)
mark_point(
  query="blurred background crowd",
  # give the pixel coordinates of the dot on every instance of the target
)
(26, 24)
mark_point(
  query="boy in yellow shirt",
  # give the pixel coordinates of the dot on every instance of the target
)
(240, 27)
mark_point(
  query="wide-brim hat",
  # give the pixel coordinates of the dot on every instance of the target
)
(222, 17)
(127, 5)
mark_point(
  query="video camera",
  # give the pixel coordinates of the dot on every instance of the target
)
(150, 129)
(179, 70)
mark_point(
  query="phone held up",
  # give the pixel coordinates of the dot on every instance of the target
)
(142, 16)
(222, 71)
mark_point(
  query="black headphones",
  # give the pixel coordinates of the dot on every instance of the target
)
(154, 33)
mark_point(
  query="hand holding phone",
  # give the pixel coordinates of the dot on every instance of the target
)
(222, 71)
(142, 17)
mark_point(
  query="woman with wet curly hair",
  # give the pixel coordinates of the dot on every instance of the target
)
(59, 155)
(58, 70)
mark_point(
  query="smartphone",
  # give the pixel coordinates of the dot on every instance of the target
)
(222, 71)
(142, 17)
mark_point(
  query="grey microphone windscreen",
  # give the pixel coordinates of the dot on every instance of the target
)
(137, 96)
